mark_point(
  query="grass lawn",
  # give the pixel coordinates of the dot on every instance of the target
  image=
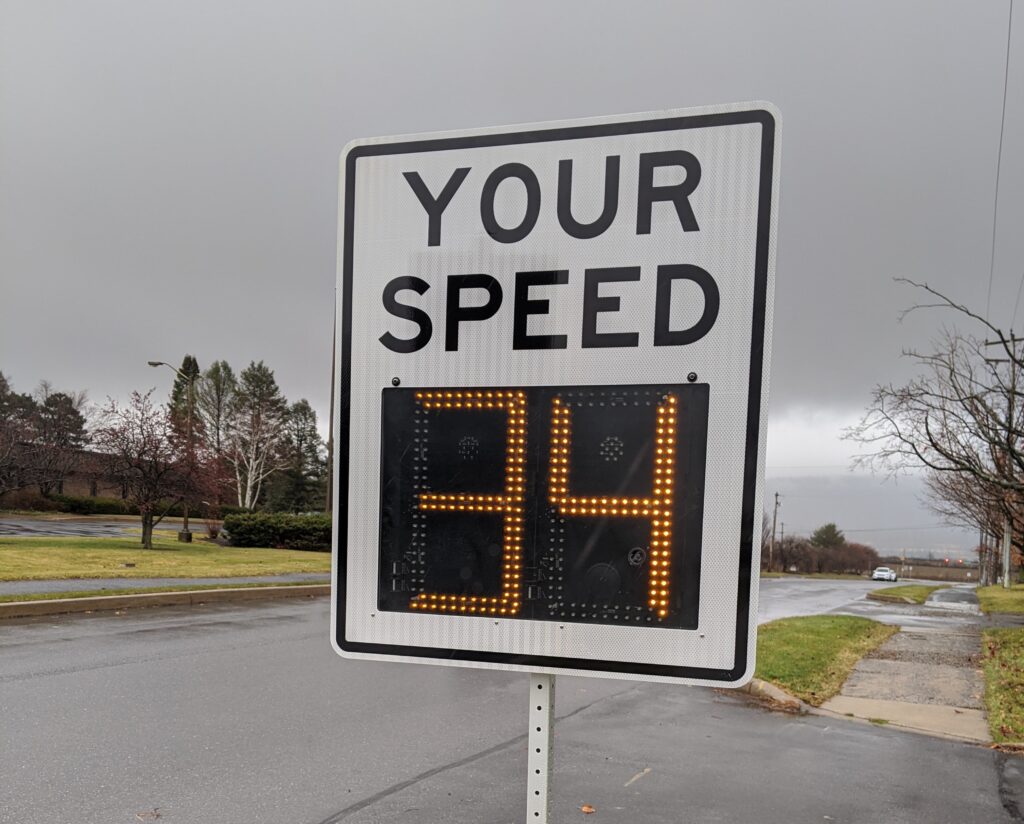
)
(907, 594)
(41, 558)
(1003, 651)
(997, 599)
(812, 656)
(95, 593)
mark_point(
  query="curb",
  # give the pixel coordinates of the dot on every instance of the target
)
(892, 599)
(98, 603)
(769, 692)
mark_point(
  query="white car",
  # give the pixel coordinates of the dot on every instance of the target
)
(883, 574)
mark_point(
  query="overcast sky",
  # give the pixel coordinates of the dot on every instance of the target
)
(168, 180)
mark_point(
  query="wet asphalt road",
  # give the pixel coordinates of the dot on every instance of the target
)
(780, 598)
(65, 528)
(788, 597)
(246, 716)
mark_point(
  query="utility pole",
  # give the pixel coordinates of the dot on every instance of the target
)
(771, 543)
(1013, 361)
(990, 553)
(186, 535)
(981, 558)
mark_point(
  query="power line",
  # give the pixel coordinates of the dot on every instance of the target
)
(999, 161)
(1016, 303)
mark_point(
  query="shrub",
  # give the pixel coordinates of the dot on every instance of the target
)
(29, 501)
(68, 503)
(177, 510)
(94, 506)
(278, 529)
(213, 528)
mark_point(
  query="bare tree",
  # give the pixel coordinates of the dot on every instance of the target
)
(960, 421)
(138, 446)
(960, 416)
(801, 555)
(214, 393)
(963, 500)
(257, 431)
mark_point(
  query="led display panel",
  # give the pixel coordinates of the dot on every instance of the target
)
(555, 503)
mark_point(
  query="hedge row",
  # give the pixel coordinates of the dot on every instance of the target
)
(278, 529)
(95, 506)
(35, 502)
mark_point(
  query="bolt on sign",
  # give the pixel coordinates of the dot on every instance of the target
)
(551, 394)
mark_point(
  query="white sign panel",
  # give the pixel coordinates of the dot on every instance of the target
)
(551, 394)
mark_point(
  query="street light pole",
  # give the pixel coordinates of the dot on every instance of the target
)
(184, 535)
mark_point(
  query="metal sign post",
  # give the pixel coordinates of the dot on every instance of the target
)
(551, 400)
(541, 741)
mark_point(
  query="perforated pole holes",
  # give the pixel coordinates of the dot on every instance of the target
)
(542, 720)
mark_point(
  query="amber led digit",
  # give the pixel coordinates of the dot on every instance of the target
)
(658, 508)
(509, 503)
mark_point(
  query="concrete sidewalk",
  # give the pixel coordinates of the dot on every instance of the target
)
(925, 679)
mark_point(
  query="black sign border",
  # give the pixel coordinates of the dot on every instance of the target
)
(762, 252)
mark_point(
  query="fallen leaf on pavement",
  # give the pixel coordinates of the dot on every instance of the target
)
(587, 809)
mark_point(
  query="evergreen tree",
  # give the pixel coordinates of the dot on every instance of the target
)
(299, 486)
(178, 404)
(59, 435)
(17, 438)
(828, 535)
(40, 437)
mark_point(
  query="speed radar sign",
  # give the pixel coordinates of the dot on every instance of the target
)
(551, 394)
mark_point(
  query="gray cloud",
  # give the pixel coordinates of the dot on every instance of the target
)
(168, 171)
